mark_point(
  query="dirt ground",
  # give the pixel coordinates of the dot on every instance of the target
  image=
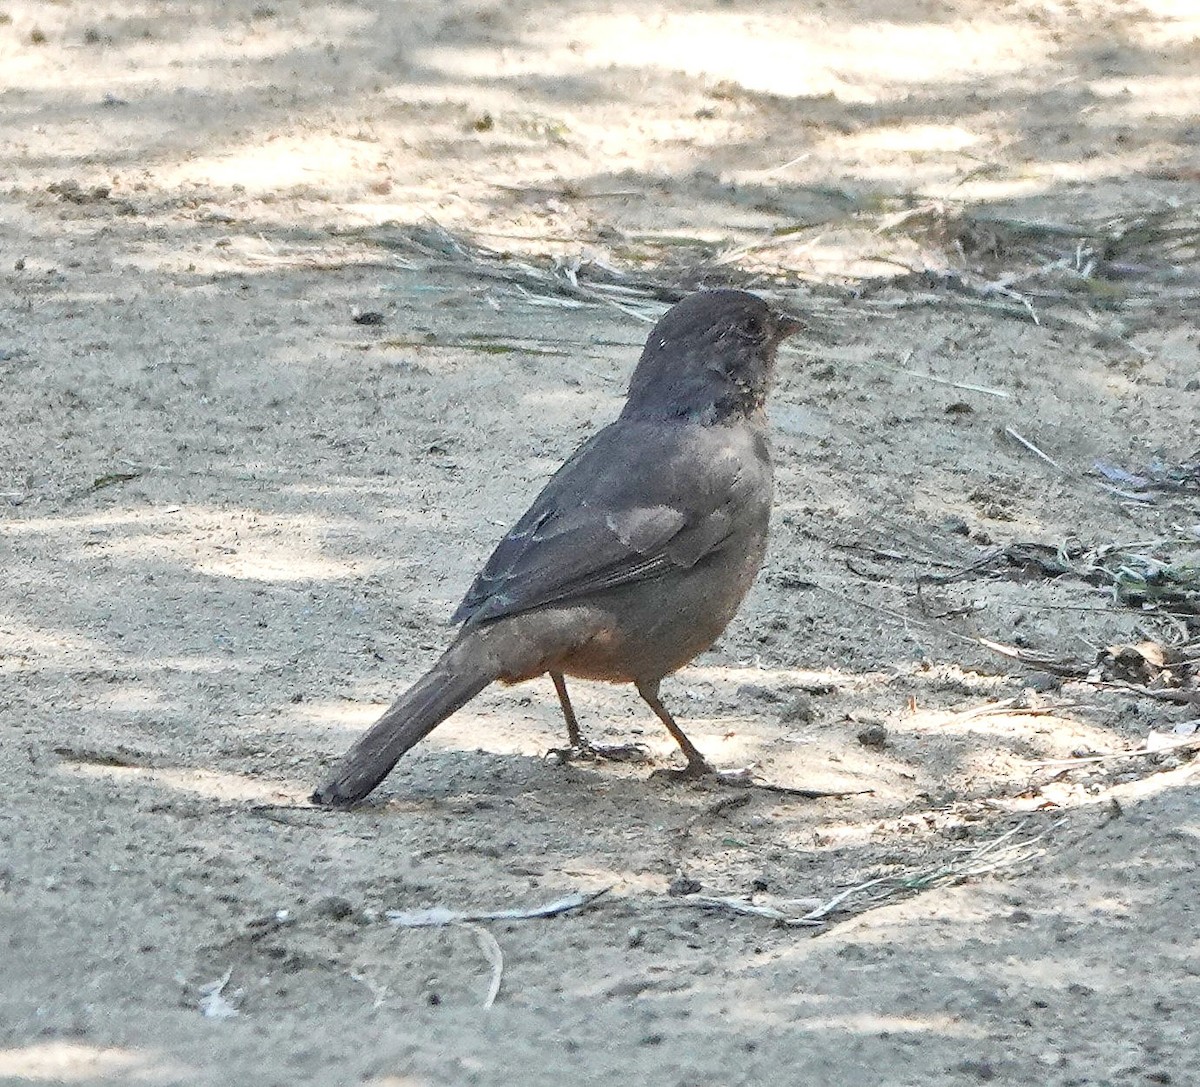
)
(234, 520)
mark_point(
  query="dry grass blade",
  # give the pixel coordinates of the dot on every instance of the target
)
(213, 1003)
(439, 915)
(1192, 743)
(1032, 448)
(1009, 707)
(1163, 694)
(490, 948)
(1001, 852)
(1060, 666)
(965, 386)
(743, 908)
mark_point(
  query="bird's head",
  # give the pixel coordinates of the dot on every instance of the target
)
(709, 358)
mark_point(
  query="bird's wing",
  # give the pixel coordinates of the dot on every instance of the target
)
(634, 502)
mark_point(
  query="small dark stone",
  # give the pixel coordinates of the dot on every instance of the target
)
(981, 1070)
(1020, 917)
(799, 711)
(683, 885)
(873, 736)
(368, 317)
(1193, 386)
(1043, 681)
(754, 690)
(334, 907)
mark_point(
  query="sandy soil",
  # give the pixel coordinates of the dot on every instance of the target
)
(233, 522)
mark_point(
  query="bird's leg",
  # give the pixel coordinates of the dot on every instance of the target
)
(578, 746)
(574, 736)
(697, 765)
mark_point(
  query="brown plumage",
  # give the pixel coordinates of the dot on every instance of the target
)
(636, 554)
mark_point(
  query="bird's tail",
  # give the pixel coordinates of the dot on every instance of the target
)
(461, 673)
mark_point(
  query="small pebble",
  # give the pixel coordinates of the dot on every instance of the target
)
(683, 885)
(754, 690)
(1042, 682)
(873, 736)
(334, 907)
(799, 711)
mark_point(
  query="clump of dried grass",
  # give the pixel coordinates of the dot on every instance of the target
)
(1102, 277)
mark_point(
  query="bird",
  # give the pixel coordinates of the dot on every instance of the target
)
(636, 554)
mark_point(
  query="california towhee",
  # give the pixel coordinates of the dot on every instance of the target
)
(636, 554)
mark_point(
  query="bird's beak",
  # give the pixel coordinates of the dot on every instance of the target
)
(786, 325)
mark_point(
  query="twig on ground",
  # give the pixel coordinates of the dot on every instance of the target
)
(213, 1003)
(378, 992)
(489, 946)
(1059, 666)
(1161, 694)
(966, 386)
(793, 580)
(1033, 448)
(1008, 708)
(436, 916)
(806, 794)
(1192, 742)
(741, 906)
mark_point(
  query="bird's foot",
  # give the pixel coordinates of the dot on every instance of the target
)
(596, 752)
